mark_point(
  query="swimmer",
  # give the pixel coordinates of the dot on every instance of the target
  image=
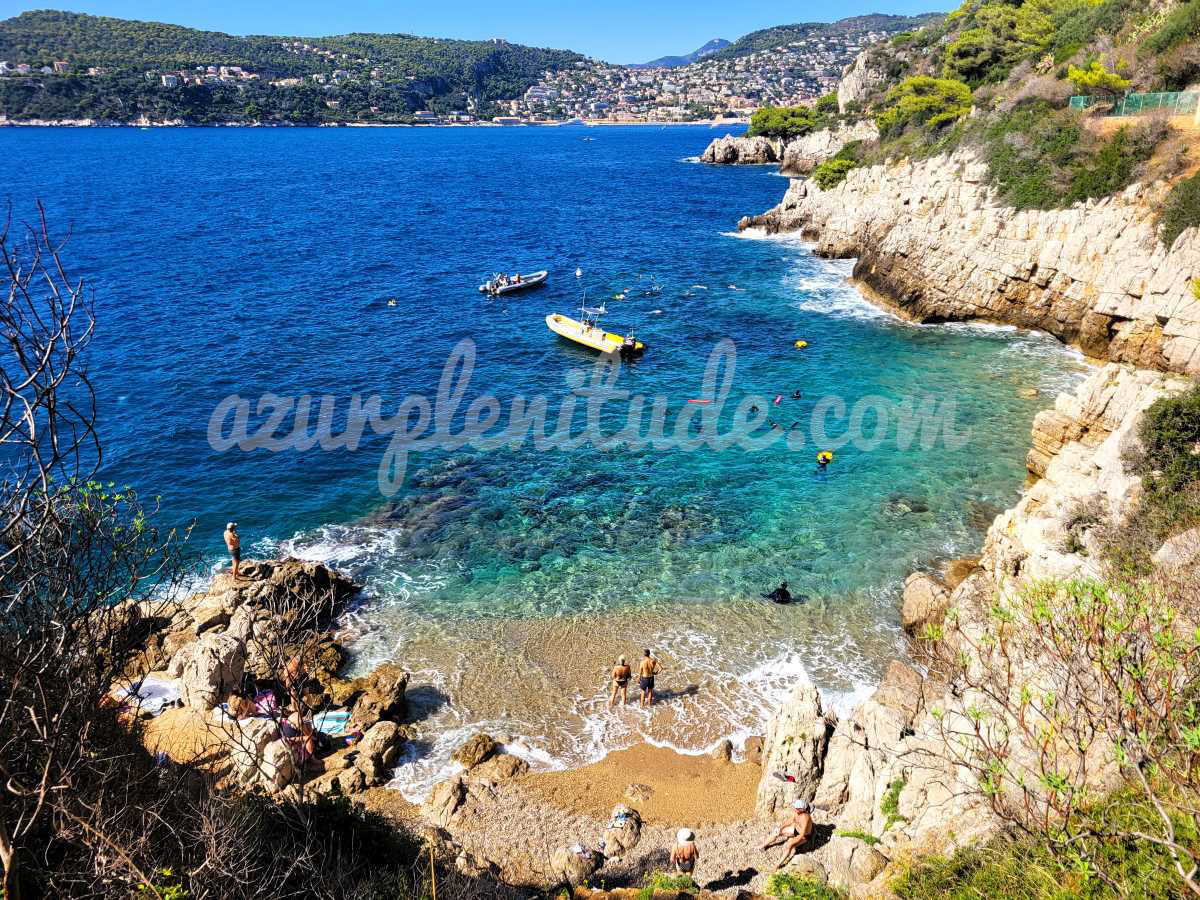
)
(778, 399)
(753, 410)
(795, 395)
(781, 594)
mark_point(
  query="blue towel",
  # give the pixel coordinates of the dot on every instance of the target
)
(333, 722)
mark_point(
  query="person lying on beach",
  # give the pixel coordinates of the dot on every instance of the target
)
(646, 671)
(794, 833)
(620, 682)
(307, 742)
(685, 854)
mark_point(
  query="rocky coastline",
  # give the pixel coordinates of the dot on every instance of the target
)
(797, 156)
(933, 244)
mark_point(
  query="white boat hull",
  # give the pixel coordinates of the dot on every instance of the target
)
(533, 279)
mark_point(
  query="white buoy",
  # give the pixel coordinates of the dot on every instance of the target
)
(578, 272)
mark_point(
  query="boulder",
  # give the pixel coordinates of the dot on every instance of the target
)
(623, 832)
(445, 800)
(1180, 551)
(339, 782)
(900, 689)
(925, 602)
(805, 866)
(500, 767)
(210, 668)
(754, 749)
(476, 750)
(574, 865)
(377, 751)
(382, 697)
(639, 793)
(259, 755)
(730, 150)
(723, 752)
(795, 745)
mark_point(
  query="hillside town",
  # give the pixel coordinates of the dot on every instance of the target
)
(795, 72)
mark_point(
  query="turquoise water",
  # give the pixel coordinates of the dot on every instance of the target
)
(250, 261)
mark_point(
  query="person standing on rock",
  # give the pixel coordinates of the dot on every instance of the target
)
(795, 832)
(646, 672)
(234, 542)
(620, 682)
(685, 854)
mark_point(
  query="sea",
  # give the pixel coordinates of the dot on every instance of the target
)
(234, 264)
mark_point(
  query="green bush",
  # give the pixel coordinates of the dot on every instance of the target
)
(832, 172)
(1196, 288)
(1001, 35)
(1077, 22)
(1042, 158)
(787, 886)
(859, 835)
(1096, 78)
(904, 37)
(827, 104)
(666, 882)
(782, 121)
(1170, 433)
(890, 804)
(924, 101)
(1182, 24)
(1182, 210)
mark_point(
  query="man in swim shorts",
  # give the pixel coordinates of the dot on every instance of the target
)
(646, 671)
(234, 542)
(620, 682)
(795, 833)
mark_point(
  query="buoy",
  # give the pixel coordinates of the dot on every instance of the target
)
(778, 398)
(391, 301)
(700, 402)
(800, 345)
(578, 272)
(825, 458)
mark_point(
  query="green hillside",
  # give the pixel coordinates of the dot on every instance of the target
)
(395, 73)
(779, 35)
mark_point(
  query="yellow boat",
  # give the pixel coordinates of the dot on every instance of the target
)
(590, 334)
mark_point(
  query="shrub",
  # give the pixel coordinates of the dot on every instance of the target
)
(827, 104)
(832, 172)
(787, 886)
(782, 121)
(904, 37)
(1170, 433)
(1182, 210)
(1183, 23)
(857, 834)
(924, 101)
(890, 804)
(1002, 35)
(1096, 78)
(1077, 22)
(666, 882)
(1196, 288)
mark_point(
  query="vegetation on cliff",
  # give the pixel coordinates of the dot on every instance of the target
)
(1182, 210)
(393, 74)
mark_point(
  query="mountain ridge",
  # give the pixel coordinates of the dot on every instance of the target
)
(674, 62)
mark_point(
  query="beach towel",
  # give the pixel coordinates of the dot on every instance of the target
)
(265, 703)
(332, 722)
(152, 695)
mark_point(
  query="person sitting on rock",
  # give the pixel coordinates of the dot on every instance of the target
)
(685, 854)
(795, 832)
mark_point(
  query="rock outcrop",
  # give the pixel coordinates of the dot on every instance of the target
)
(745, 151)
(925, 602)
(885, 770)
(860, 80)
(795, 745)
(933, 244)
(803, 154)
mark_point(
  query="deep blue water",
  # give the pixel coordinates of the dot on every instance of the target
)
(247, 261)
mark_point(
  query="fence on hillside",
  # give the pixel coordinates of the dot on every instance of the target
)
(1173, 103)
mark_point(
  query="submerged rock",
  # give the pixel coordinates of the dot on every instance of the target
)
(476, 750)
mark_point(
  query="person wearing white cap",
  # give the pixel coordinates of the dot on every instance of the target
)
(795, 832)
(234, 542)
(685, 854)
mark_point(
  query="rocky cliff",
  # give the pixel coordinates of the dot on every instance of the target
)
(797, 156)
(933, 243)
(883, 772)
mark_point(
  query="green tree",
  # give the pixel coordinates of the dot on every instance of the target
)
(1096, 78)
(923, 101)
(782, 121)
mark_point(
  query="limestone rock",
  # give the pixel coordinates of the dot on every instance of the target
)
(805, 866)
(723, 752)
(803, 154)
(500, 767)
(377, 751)
(860, 80)
(445, 800)
(210, 668)
(476, 750)
(260, 757)
(382, 696)
(795, 744)
(925, 602)
(1181, 550)
(754, 749)
(574, 865)
(624, 831)
(730, 150)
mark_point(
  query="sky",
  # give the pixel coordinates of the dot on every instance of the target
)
(620, 31)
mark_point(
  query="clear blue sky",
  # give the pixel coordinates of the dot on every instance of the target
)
(622, 31)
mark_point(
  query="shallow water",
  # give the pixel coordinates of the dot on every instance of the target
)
(245, 261)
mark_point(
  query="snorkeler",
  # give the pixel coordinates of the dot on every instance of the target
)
(781, 594)
(796, 394)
